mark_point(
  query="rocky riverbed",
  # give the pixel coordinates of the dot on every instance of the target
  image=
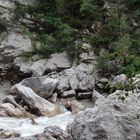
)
(57, 98)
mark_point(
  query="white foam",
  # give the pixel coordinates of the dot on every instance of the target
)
(26, 128)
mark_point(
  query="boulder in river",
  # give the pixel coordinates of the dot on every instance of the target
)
(9, 110)
(42, 86)
(110, 119)
(37, 105)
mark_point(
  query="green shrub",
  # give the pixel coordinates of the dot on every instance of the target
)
(60, 23)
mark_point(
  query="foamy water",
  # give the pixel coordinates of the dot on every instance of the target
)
(26, 128)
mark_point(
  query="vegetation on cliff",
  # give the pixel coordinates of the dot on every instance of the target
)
(112, 27)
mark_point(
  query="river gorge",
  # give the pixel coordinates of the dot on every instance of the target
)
(53, 92)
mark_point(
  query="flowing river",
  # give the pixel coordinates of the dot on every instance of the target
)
(25, 127)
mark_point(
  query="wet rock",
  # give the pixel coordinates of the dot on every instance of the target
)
(36, 57)
(84, 95)
(57, 133)
(4, 134)
(9, 110)
(74, 106)
(50, 133)
(11, 99)
(42, 86)
(38, 105)
(68, 94)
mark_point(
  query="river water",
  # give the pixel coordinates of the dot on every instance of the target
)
(25, 127)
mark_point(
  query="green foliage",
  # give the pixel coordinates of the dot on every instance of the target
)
(132, 67)
(59, 23)
(128, 85)
(90, 8)
(27, 55)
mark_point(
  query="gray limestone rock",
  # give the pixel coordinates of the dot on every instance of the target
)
(110, 119)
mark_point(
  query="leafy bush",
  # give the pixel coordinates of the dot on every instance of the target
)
(113, 26)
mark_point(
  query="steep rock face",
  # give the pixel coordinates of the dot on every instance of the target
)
(14, 44)
(110, 119)
(5, 14)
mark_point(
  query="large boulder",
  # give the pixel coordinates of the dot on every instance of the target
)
(110, 119)
(86, 75)
(35, 68)
(14, 44)
(58, 61)
(74, 106)
(35, 104)
(23, 65)
(42, 86)
(80, 78)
